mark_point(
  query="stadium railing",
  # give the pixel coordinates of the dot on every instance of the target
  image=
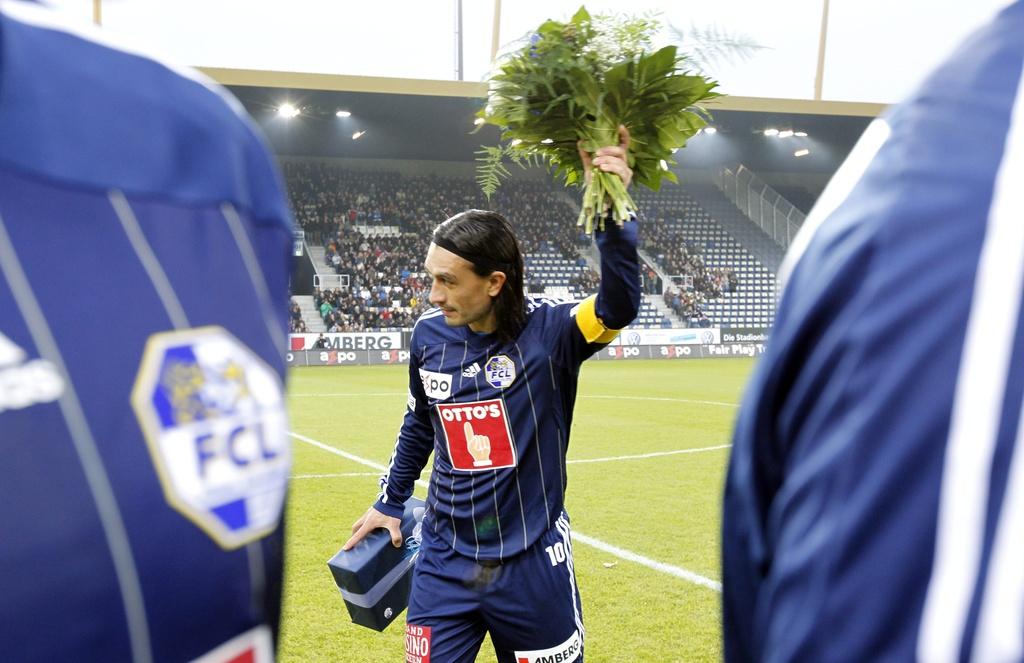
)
(330, 281)
(762, 204)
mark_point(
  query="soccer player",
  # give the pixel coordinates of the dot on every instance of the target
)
(874, 505)
(144, 241)
(492, 384)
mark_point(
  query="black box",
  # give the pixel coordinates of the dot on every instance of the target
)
(375, 577)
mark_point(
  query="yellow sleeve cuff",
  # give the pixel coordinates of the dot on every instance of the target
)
(590, 325)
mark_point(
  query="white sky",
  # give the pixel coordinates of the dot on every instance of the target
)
(877, 49)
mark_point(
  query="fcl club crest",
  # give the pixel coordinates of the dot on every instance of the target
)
(213, 415)
(500, 371)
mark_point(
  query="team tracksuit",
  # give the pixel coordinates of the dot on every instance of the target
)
(875, 493)
(144, 241)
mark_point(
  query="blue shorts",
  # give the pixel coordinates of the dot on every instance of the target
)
(529, 604)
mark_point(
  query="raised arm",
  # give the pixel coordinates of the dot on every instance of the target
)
(618, 297)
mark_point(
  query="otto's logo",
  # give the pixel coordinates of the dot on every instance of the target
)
(477, 435)
(436, 385)
(568, 651)
(472, 411)
(500, 371)
(213, 415)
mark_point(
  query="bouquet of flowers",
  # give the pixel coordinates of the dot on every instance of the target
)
(572, 85)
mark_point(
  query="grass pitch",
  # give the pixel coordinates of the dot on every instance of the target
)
(662, 507)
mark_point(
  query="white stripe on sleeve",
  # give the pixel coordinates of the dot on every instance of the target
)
(977, 405)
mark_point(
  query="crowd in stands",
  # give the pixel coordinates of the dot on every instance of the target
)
(372, 263)
(695, 282)
(679, 257)
(687, 305)
(543, 218)
(327, 199)
(387, 307)
(585, 282)
(651, 282)
(324, 198)
(296, 325)
(387, 287)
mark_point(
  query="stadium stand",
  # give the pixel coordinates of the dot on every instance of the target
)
(371, 230)
(722, 281)
(731, 219)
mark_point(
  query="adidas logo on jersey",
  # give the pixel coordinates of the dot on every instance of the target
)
(24, 383)
(472, 371)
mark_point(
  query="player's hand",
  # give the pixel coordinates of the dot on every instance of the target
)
(479, 446)
(370, 521)
(610, 159)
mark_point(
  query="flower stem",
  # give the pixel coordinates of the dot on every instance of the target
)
(605, 192)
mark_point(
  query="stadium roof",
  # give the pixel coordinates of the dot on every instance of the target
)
(437, 127)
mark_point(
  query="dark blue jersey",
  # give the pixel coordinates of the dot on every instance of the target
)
(497, 415)
(875, 494)
(144, 243)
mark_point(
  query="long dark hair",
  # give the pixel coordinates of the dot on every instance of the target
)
(486, 240)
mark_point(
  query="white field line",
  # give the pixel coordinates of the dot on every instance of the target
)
(621, 553)
(335, 476)
(339, 394)
(631, 556)
(654, 454)
(655, 398)
(345, 454)
(600, 396)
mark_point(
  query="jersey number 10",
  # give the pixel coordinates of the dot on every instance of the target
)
(556, 553)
